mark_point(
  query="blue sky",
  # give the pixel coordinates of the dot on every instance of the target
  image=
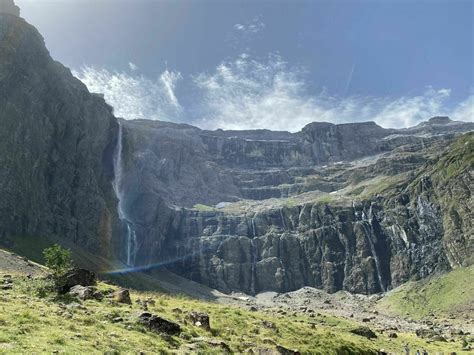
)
(268, 64)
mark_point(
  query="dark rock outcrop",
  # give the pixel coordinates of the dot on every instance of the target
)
(364, 332)
(56, 146)
(158, 324)
(81, 277)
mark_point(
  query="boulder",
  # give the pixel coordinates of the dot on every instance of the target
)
(82, 292)
(364, 332)
(76, 277)
(200, 319)
(158, 324)
(425, 333)
(122, 296)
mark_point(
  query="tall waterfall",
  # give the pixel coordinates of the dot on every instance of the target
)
(368, 235)
(131, 246)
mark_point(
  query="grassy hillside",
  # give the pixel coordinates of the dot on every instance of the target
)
(35, 320)
(447, 295)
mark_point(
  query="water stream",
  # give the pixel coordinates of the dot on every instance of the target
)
(374, 254)
(131, 245)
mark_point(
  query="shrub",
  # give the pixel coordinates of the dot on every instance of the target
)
(58, 259)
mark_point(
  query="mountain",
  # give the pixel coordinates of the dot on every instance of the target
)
(352, 207)
(56, 146)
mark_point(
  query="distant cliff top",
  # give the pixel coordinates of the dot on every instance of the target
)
(9, 7)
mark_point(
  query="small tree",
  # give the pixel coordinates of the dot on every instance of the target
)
(58, 259)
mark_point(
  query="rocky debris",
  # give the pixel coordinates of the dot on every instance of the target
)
(86, 293)
(82, 292)
(199, 319)
(76, 277)
(158, 324)
(426, 333)
(122, 296)
(216, 343)
(268, 324)
(285, 351)
(364, 332)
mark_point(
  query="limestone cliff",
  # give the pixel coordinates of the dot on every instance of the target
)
(56, 146)
(284, 220)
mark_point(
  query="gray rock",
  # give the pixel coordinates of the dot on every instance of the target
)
(122, 296)
(75, 277)
(158, 324)
(82, 292)
(364, 332)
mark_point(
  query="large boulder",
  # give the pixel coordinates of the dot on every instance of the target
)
(86, 293)
(158, 324)
(122, 296)
(200, 319)
(75, 277)
(82, 292)
(364, 332)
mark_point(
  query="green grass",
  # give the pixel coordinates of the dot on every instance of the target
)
(32, 321)
(204, 208)
(445, 295)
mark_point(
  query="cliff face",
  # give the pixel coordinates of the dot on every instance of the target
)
(284, 220)
(56, 146)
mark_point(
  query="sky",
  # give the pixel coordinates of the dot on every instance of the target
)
(268, 64)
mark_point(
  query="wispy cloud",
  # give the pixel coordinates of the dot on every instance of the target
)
(135, 96)
(246, 93)
(465, 110)
(253, 26)
(132, 66)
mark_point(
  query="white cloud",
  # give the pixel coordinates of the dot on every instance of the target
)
(132, 66)
(246, 94)
(169, 80)
(255, 25)
(465, 110)
(134, 96)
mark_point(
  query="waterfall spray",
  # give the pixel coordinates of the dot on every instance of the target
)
(131, 246)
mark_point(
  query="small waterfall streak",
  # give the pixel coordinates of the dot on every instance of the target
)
(376, 259)
(253, 275)
(254, 229)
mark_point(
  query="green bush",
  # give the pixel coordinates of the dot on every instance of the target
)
(58, 260)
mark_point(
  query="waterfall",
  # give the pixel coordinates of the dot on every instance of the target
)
(254, 229)
(131, 246)
(376, 259)
(254, 267)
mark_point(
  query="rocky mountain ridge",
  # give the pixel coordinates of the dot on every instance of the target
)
(351, 206)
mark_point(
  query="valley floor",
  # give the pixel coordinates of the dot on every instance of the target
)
(33, 320)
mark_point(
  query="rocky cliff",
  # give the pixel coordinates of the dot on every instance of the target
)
(56, 146)
(279, 211)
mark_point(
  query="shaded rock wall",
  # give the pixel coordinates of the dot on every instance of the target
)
(56, 146)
